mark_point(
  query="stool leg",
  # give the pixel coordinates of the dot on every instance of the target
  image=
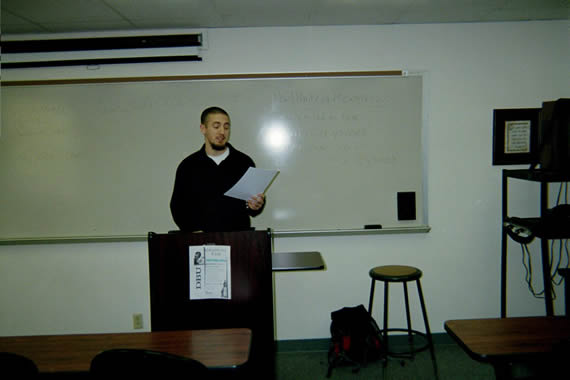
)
(408, 319)
(428, 331)
(371, 296)
(385, 332)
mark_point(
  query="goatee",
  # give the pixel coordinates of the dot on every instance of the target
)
(219, 147)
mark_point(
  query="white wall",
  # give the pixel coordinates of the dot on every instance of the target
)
(469, 69)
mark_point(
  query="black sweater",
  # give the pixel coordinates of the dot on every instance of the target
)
(198, 202)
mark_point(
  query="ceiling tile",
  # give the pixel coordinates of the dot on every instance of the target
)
(32, 16)
(60, 11)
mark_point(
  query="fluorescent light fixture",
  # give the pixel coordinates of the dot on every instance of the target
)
(99, 51)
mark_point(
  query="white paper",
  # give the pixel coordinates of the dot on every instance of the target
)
(254, 181)
(210, 272)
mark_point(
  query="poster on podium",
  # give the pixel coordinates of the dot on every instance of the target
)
(210, 272)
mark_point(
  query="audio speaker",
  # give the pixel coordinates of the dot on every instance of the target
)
(406, 205)
(554, 136)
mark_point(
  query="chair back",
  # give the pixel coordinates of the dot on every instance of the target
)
(135, 362)
(15, 366)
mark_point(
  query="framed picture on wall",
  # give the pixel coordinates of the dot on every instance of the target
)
(515, 133)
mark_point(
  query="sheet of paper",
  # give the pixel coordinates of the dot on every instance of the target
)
(253, 182)
(210, 272)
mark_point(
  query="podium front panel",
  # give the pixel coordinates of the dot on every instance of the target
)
(251, 303)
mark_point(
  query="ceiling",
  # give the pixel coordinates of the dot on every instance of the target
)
(55, 16)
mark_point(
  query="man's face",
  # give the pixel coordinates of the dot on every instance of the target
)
(216, 131)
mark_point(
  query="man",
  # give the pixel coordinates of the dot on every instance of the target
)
(198, 202)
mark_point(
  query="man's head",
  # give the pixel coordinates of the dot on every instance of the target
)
(215, 126)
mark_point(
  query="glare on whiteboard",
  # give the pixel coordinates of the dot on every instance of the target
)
(283, 214)
(276, 137)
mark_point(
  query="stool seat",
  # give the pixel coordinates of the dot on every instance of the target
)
(395, 273)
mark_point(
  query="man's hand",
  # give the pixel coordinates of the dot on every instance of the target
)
(256, 202)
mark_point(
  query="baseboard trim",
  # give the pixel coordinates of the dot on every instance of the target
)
(310, 345)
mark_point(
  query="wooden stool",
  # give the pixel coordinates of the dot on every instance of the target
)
(403, 274)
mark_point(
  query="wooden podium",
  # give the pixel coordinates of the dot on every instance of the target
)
(251, 303)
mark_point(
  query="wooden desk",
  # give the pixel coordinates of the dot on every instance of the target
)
(293, 261)
(507, 340)
(224, 348)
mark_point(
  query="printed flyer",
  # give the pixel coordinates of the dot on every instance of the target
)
(210, 272)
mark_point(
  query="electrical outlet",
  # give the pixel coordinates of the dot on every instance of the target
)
(137, 321)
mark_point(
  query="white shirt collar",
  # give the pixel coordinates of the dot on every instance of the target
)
(219, 158)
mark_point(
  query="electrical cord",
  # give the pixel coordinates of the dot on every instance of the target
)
(563, 187)
(555, 263)
(563, 249)
(528, 274)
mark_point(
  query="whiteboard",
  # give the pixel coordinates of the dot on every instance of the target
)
(99, 159)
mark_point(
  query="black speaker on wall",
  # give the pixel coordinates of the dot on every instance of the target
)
(406, 205)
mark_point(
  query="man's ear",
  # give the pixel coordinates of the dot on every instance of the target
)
(202, 129)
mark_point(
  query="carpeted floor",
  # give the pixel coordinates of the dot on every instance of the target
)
(452, 363)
